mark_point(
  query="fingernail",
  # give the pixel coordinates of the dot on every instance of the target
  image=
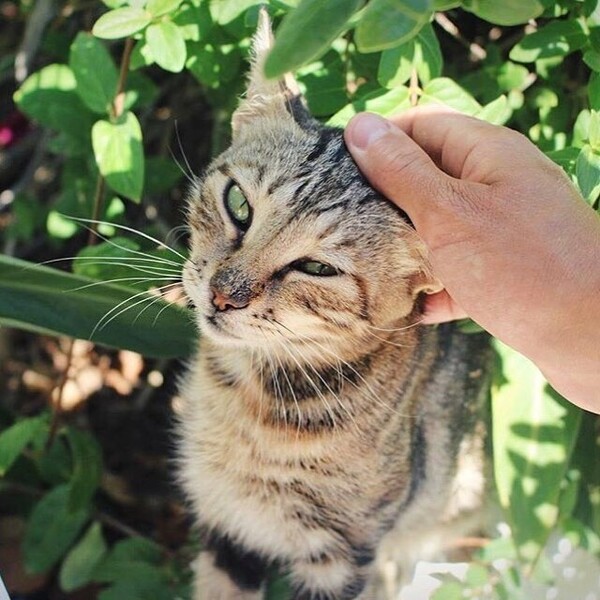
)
(365, 128)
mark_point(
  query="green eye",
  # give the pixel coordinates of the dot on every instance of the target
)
(312, 267)
(238, 207)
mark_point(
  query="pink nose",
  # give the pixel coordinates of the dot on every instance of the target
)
(223, 302)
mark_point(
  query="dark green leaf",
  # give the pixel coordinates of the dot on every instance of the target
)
(95, 72)
(14, 440)
(587, 169)
(161, 174)
(507, 12)
(51, 530)
(45, 300)
(422, 54)
(130, 559)
(556, 39)
(121, 22)
(119, 154)
(307, 32)
(76, 571)
(167, 46)
(388, 23)
(87, 468)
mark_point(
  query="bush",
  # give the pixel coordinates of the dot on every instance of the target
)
(88, 160)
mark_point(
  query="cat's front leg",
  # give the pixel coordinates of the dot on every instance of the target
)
(227, 571)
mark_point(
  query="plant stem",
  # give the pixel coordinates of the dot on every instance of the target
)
(118, 102)
(96, 213)
(57, 406)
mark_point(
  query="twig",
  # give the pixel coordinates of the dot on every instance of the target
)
(57, 406)
(43, 11)
(413, 87)
(450, 28)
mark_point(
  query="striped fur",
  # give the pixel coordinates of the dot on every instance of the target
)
(322, 428)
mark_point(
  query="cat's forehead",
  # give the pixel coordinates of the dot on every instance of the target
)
(309, 169)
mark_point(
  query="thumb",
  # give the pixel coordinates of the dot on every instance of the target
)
(397, 166)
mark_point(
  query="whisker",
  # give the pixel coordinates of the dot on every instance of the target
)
(119, 279)
(146, 299)
(411, 325)
(130, 230)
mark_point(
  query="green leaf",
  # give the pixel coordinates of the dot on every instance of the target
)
(594, 130)
(382, 102)
(497, 112)
(95, 72)
(452, 590)
(307, 32)
(87, 468)
(507, 12)
(534, 431)
(325, 84)
(167, 46)
(422, 53)
(130, 559)
(49, 97)
(446, 91)
(51, 530)
(14, 440)
(53, 302)
(119, 154)
(388, 23)
(556, 39)
(78, 567)
(121, 22)
(587, 170)
(157, 8)
(225, 11)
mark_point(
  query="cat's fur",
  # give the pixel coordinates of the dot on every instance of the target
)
(322, 429)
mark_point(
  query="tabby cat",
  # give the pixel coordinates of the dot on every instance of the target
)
(322, 428)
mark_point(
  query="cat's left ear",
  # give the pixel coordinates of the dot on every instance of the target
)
(267, 97)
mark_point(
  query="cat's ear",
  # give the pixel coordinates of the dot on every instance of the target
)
(267, 97)
(425, 283)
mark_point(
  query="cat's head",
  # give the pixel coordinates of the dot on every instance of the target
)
(288, 241)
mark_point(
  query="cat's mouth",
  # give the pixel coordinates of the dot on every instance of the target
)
(217, 330)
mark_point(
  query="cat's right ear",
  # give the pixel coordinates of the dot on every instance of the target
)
(267, 97)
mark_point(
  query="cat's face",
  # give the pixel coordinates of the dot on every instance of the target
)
(288, 242)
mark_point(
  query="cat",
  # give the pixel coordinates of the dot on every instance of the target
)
(322, 428)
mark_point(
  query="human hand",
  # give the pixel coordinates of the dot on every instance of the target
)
(511, 239)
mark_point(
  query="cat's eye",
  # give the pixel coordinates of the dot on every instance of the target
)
(313, 267)
(238, 207)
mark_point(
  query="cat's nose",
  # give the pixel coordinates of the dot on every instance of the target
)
(223, 302)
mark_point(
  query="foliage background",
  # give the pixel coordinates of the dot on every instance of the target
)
(98, 104)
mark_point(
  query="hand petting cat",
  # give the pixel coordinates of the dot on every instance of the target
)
(509, 236)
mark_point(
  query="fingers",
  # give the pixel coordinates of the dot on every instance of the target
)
(440, 308)
(394, 164)
(468, 148)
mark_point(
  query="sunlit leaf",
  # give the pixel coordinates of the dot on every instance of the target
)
(534, 432)
(587, 169)
(384, 103)
(167, 46)
(121, 22)
(157, 8)
(558, 38)
(119, 154)
(446, 91)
